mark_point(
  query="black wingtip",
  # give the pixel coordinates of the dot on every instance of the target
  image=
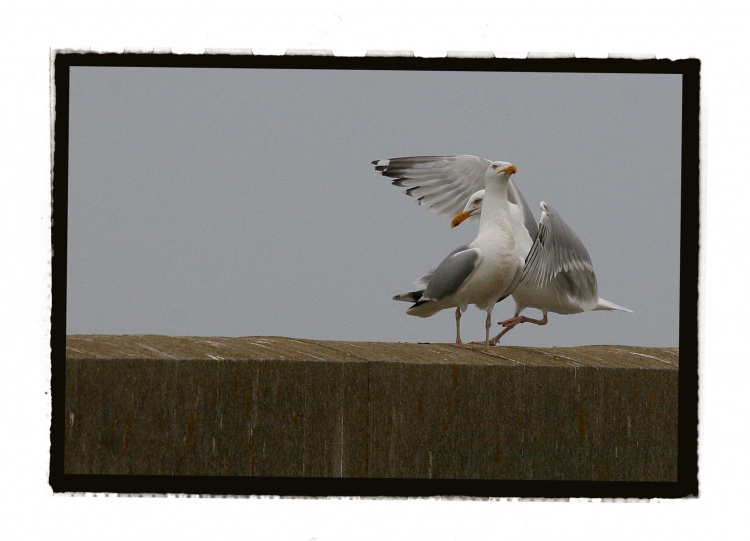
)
(413, 296)
(379, 167)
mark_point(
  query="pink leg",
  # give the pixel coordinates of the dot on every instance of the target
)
(495, 340)
(512, 322)
(487, 326)
(458, 325)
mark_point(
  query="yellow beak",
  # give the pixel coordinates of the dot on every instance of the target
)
(461, 216)
(511, 169)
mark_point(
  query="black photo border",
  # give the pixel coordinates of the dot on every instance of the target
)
(687, 477)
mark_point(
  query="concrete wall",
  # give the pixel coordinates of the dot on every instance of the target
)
(278, 407)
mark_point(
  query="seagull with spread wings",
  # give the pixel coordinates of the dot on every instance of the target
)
(482, 271)
(558, 275)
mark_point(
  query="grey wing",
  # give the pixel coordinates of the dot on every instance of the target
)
(515, 196)
(422, 281)
(451, 273)
(442, 183)
(559, 256)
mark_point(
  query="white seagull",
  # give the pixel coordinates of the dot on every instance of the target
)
(558, 276)
(482, 271)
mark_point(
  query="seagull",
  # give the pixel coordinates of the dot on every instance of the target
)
(481, 272)
(558, 275)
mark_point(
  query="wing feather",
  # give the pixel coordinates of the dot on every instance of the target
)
(441, 183)
(559, 257)
(515, 196)
(451, 274)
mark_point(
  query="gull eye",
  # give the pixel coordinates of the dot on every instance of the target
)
(477, 201)
(494, 166)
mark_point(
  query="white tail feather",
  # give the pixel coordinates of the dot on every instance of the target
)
(606, 305)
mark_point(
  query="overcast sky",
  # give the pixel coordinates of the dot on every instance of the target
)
(242, 202)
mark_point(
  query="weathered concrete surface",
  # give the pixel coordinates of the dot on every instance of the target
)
(270, 406)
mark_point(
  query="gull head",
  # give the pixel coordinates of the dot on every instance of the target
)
(472, 208)
(498, 168)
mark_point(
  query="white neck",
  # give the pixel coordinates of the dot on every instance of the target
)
(495, 210)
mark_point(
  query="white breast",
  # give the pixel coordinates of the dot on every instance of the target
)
(496, 270)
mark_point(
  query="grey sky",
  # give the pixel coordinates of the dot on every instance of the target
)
(243, 202)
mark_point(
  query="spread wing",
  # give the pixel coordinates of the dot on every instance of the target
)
(559, 257)
(442, 183)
